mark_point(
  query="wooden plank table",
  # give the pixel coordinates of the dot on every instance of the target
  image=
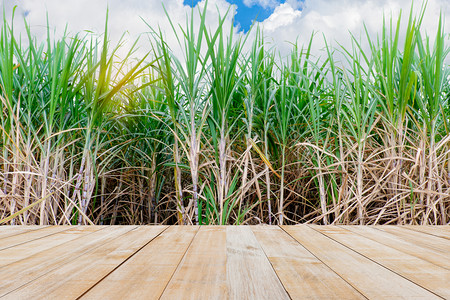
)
(224, 262)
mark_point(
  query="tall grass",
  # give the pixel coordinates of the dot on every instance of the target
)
(225, 135)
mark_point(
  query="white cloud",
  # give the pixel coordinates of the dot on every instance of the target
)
(284, 15)
(124, 16)
(335, 19)
(295, 4)
(292, 20)
(263, 3)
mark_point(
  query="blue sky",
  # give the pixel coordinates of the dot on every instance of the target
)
(283, 21)
(246, 13)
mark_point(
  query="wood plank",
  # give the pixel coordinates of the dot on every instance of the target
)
(202, 272)
(31, 236)
(421, 239)
(397, 243)
(301, 273)
(146, 274)
(72, 279)
(368, 277)
(33, 247)
(421, 272)
(249, 272)
(442, 231)
(8, 230)
(23, 271)
(224, 262)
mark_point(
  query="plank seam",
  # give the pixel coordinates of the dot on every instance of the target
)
(271, 265)
(70, 228)
(403, 251)
(356, 289)
(73, 258)
(377, 262)
(50, 248)
(424, 232)
(418, 233)
(19, 233)
(124, 261)
(179, 263)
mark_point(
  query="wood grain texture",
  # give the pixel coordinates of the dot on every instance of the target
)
(397, 243)
(6, 231)
(24, 250)
(72, 279)
(202, 272)
(301, 273)
(419, 238)
(146, 274)
(224, 262)
(442, 231)
(32, 267)
(31, 235)
(249, 273)
(369, 278)
(421, 272)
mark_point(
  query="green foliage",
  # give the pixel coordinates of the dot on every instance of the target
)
(231, 133)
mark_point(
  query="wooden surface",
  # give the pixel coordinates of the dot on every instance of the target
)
(224, 262)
